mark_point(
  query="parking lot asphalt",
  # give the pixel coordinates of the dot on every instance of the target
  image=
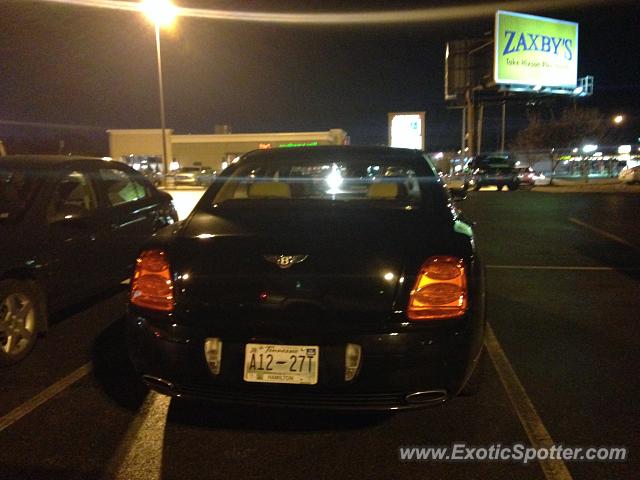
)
(563, 301)
(184, 200)
(571, 333)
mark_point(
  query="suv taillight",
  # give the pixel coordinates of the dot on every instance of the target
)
(152, 286)
(440, 290)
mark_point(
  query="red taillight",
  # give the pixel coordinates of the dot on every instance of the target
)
(440, 290)
(152, 286)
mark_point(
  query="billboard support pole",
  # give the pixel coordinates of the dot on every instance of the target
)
(463, 131)
(504, 123)
(480, 121)
(470, 123)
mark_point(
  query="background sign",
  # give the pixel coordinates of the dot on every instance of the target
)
(406, 130)
(537, 51)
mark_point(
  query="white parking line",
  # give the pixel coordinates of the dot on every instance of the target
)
(44, 396)
(529, 418)
(604, 233)
(554, 267)
(139, 455)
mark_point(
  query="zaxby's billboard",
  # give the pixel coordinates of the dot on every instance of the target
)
(537, 51)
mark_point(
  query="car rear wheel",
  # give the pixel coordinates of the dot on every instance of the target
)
(22, 314)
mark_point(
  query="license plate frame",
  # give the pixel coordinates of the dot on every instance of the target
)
(277, 365)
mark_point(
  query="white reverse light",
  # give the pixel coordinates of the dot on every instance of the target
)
(213, 354)
(352, 357)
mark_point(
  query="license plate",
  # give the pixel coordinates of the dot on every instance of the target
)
(296, 364)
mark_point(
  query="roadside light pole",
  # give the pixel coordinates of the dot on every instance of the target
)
(165, 161)
(161, 13)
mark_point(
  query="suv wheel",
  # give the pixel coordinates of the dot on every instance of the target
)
(22, 313)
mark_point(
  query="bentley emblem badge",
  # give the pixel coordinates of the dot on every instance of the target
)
(285, 261)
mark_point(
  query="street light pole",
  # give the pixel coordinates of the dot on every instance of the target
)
(165, 163)
(161, 13)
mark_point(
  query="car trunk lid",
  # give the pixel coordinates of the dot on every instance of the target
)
(274, 267)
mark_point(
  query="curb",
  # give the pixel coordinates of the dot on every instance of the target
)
(586, 188)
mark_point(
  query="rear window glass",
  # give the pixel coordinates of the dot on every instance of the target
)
(17, 190)
(498, 167)
(364, 181)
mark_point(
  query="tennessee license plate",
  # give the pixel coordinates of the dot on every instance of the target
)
(296, 364)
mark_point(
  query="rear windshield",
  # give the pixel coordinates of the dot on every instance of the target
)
(347, 181)
(17, 189)
(498, 167)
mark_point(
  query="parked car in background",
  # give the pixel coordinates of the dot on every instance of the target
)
(526, 176)
(183, 176)
(529, 177)
(155, 177)
(630, 175)
(457, 181)
(261, 297)
(69, 228)
(206, 176)
(495, 174)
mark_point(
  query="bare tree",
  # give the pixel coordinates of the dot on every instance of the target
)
(574, 127)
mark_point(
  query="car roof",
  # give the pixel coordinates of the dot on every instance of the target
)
(328, 151)
(46, 162)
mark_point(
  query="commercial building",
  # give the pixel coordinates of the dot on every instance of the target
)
(209, 150)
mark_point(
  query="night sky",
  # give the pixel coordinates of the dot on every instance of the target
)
(95, 69)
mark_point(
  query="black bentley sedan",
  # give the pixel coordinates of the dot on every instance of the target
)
(69, 227)
(326, 277)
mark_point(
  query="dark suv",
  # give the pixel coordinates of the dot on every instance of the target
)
(494, 171)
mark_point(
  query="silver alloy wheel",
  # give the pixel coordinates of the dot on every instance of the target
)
(17, 323)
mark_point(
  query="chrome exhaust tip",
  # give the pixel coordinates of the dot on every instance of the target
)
(428, 396)
(157, 382)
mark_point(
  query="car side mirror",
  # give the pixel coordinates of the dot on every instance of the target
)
(71, 215)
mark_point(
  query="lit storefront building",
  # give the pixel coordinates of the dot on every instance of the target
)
(142, 148)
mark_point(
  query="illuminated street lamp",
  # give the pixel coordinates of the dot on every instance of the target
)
(162, 13)
(618, 119)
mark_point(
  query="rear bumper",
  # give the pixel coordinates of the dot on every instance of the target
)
(494, 181)
(299, 400)
(399, 370)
